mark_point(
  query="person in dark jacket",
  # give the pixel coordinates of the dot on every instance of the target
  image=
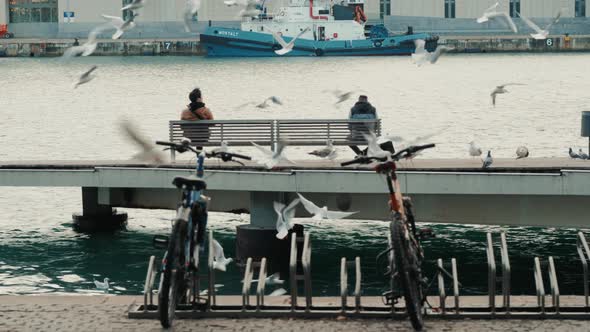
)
(362, 110)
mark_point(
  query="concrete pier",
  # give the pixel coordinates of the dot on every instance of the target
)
(96, 217)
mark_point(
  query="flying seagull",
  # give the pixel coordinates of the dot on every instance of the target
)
(328, 151)
(271, 159)
(574, 155)
(219, 261)
(540, 34)
(286, 47)
(342, 96)
(373, 148)
(89, 46)
(278, 292)
(491, 14)
(421, 55)
(120, 24)
(501, 89)
(322, 212)
(522, 152)
(192, 6)
(205, 292)
(86, 77)
(285, 214)
(263, 105)
(271, 280)
(474, 150)
(487, 162)
(148, 149)
(134, 5)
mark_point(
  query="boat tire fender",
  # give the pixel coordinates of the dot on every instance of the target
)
(319, 52)
(377, 43)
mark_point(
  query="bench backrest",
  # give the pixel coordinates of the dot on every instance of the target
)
(213, 132)
(268, 132)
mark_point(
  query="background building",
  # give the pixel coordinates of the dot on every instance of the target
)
(163, 18)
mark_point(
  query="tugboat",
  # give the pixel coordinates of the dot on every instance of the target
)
(326, 30)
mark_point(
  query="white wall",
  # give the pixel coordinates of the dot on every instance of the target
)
(474, 9)
(372, 9)
(547, 8)
(430, 8)
(3, 11)
(87, 11)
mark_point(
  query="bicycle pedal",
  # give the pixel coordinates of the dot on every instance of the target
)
(160, 241)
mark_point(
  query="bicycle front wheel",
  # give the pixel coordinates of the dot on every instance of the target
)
(173, 274)
(408, 272)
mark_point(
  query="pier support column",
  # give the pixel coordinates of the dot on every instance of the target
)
(97, 217)
(258, 239)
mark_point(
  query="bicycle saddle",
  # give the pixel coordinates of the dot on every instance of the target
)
(190, 182)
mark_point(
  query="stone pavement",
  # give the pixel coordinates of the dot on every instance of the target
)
(109, 313)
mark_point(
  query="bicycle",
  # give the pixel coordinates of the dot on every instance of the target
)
(180, 265)
(404, 251)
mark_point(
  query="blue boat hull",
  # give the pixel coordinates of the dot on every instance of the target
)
(225, 42)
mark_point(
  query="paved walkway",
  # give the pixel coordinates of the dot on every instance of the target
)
(109, 313)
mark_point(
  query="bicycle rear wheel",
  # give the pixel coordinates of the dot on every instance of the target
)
(173, 274)
(408, 272)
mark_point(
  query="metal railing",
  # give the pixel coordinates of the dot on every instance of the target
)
(441, 285)
(344, 266)
(148, 295)
(584, 253)
(492, 272)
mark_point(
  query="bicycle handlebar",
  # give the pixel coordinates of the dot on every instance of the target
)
(185, 146)
(410, 150)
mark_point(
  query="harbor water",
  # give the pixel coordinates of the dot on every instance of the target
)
(45, 118)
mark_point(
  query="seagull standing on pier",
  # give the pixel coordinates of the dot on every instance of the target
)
(271, 159)
(219, 261)
(285, 214)
(89, 46)
(327, 152)
(322, 212)
(487, 162)
(373, 148)
(120, 24)
(474, 150)
(522, 152)
(86, 77)
(286, 47)
(192, 6)
(582, 154)
(501, 89)
(421, 55)
(491, 14)
(222, 148)
(574, 155)
(540, 34)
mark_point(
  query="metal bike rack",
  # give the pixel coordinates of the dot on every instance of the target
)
(441, 285)
(492, 277)
(344, 265)
(584, 253)
(149, 284)
(372, 307)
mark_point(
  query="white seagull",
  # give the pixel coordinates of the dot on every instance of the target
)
(86, 77)
(148, 149)
(134, 5)
(373, 148)
(192, 6)
(102, 285)
(491, 13)
(341, 95)
(219, 261)
(271, 159)
(121, 25)
(278, 292)
(286, 47)
(540, 33)
(487, 162)
(474, 150)
(328, 152)
(251, 9)
(522, 152)
(421, 55)
(222, 148)
(322, 212)
(89, 46)
(285, 214)
(271, 280)
(501, 89)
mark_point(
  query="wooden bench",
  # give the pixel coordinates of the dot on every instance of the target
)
(268, 132)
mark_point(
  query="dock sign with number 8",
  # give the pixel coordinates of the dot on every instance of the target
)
(549, 42)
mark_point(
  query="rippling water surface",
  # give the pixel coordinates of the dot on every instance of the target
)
(43, 118)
